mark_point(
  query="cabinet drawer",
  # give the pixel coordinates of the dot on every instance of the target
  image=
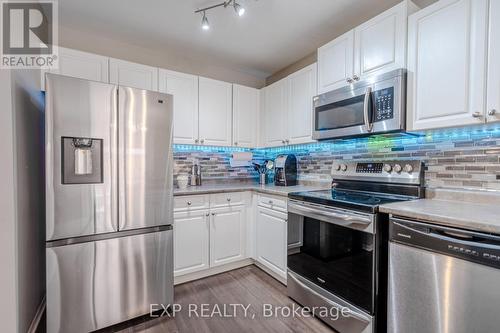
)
(273, 202)
(227, 199)
(191, 202)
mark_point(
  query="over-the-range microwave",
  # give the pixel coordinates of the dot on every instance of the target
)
(374, 105)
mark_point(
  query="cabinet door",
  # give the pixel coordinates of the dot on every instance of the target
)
(227, 235)
(133, 75)
(493, 101)
(336, 63)
(191, 244)
(446, 64)
(380, 43)
(215, 112)
(271, 240)
(184, 88)
(301, 90)
(276, 114)
(81, 65)
(246, 104)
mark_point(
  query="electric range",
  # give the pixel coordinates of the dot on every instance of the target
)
(337, 241)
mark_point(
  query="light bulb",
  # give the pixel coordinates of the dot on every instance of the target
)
(204, 22)
(239, 9)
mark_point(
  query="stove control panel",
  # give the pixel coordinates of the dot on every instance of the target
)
(402, 171)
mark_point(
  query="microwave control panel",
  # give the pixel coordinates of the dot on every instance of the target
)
(384, 104)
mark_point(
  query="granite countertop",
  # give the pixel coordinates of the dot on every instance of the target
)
(468, 211)
(224, 188)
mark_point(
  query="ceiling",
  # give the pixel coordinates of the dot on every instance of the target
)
(271, 35)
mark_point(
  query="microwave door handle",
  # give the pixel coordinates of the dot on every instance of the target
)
(366, 104)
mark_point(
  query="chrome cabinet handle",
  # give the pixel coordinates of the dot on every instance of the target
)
(349, 80)
(228, 199)
(477, 114)
(196, 141)
(207, 214)
(236, 143)
(368, 125)
(270, 202)
(189, 203)
(492, 112)
(287, 141)
(213, 214)
(202, 140)
(283, 141)
(355, 77)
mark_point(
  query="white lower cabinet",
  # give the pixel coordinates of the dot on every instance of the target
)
(227, 235)
(191, 242)
(271, 243)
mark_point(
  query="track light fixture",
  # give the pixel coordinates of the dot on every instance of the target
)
(239, 9)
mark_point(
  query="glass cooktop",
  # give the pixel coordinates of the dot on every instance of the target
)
(349, 199)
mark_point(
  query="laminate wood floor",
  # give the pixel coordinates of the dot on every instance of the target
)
(248, 286)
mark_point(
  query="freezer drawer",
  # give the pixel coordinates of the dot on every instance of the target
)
(97, 284)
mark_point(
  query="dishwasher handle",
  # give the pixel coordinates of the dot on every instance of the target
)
(469, 245)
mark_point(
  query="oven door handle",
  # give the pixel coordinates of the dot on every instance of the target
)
(352, 312)
(345, 219)
(366, 104)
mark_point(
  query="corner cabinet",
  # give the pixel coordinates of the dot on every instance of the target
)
(493, 93)
(246, 106)
(215, 112)
(184, 88)
(133, 75)
(81, 65)
(447, 48)
(301, 90)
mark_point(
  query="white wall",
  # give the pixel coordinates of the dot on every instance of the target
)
(161, 57)
(8, 298)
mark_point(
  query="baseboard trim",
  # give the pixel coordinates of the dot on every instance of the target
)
(212, 271)
(38, 316)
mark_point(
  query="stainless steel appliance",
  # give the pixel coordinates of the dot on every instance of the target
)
(285, 170)
(442, 279)
(374, 105)
(108, 203)
(337, 241)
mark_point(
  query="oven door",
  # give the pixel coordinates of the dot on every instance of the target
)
(334, 249)
(371, 106)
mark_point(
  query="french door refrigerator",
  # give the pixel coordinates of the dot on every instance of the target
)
(109, 202)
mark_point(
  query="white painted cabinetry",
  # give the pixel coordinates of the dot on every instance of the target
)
(133, 75)
(81, 65)
(246, 106)
(184, 88)
(493, 93)
(336, 63)
(375, 47)
(227, 235)
(271, 243)
(275, 114)
(215, 112)
(447, 45)
(191, 241)
(301, 90)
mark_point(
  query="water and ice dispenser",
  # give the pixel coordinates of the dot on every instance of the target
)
(82, 160)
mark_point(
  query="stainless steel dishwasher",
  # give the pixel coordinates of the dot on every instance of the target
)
(442, 279)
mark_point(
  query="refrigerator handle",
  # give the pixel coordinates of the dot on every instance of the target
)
(113, 152)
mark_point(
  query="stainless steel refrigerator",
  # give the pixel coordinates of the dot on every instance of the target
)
(109, 203)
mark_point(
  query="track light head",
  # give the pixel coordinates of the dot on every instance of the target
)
(204, 22)
(240, 10)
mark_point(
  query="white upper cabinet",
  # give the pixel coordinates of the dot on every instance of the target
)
(184, 88)
(215, 106)
(276, 114)
(336, 63)
(133, 75)
(493, 100)
(246, 105)
(447, 64)
(301, 90)
(380, 43)
(81, 65)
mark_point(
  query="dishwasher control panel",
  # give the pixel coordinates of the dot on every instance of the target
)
(468, 245)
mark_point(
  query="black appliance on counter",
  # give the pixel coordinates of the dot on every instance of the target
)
(285, 170)
(337, 241)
